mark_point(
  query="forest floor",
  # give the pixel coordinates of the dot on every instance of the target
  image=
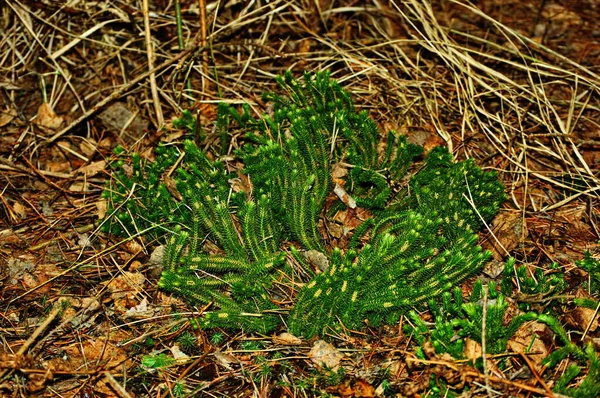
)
(513, 84)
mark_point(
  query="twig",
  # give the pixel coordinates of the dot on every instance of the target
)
(536, 374)
(160, 120)
(49, 181)
(202, 5)
(589, 325)
(81, 37)
(486, 371)
(121, 90)
(37, 332)
(181, 45)
(79, 264)
(474, 374)
(119, 389)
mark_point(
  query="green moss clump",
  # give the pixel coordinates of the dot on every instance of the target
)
(230, 248)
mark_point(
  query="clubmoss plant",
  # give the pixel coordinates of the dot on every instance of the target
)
(538, 282)
(584, 358)
(425, 245)
(160, 361)
(455, 320)
(591, 265)
(188, 341)
(231, 247)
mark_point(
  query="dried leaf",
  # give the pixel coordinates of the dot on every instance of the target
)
(101, 206)
(556, 12)
(80, 186)
(124, 289)
(125, 283)
(339, 172)
(225, 359)
(580, 317)
(494, 269)
(172, 136)
(242, 184)
(133, 247)
(352, 218)
(209, 111)
(576, 223)
(529, 339)
(180, 356)
(20, 210)
(509, 229)
(363, 389)
(286, 339)
(47, 118)
(88, 147)
(92, 168)
(171, 185)
(344, 390)
(58, 167)
(105, 143)
(427, 137)
(323, 354)
(37, 281)
(336, 230)
(472, 349)
(135, 265)
(7, 116)
(84, 240)
(15, 361)
(18, 267)
(155, 262)
(97, 350)
(140, 311)
(118, 117)
(360, 388)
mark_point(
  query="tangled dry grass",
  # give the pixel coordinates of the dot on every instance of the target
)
(512, 84)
